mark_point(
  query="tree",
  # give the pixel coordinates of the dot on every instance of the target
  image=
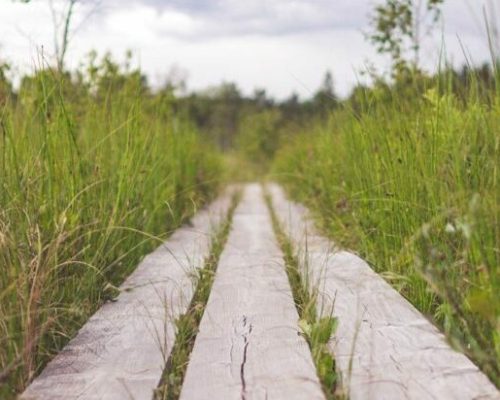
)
(261, 99)
(325, 99)
(399, 27)
(327, 85)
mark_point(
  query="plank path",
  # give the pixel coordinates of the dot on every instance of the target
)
(248, 345)
(120, 353)
(383, 347)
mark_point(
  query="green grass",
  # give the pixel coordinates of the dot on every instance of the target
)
(92, 176)
(316, 331)
(410, 180)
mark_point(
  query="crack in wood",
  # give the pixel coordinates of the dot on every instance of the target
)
(245, 335)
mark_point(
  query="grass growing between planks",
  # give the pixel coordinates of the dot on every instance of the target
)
(316, 331)
(187, 324)
(411, 180)
(93, 173)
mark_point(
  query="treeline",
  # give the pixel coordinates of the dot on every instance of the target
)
(222, 112)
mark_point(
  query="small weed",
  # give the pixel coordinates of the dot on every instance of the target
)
(318, 334)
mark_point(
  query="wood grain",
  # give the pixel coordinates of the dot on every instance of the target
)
(120, 353)
(248, 345)
(384, 347)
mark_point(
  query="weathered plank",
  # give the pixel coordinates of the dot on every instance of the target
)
(120, 353)
(384, 347)
(248, 345)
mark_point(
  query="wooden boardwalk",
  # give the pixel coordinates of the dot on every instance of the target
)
(248, 346)
(384, 347)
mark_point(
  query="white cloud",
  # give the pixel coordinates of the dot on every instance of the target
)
(281, 45)
(156, 22)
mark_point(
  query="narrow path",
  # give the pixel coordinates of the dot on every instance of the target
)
(248, 345)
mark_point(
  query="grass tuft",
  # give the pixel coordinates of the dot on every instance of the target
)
(317, 331)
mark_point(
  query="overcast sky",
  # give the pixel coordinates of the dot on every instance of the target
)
(283, 46)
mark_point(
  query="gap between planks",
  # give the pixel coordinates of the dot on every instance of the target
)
(384, 347)
(248, 346)
(120, 353)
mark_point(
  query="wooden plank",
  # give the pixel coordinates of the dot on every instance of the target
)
(248, 345)
(384, 347)
(120, 353)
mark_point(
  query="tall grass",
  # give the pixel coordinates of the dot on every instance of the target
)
(91, 177)
(411, 180)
